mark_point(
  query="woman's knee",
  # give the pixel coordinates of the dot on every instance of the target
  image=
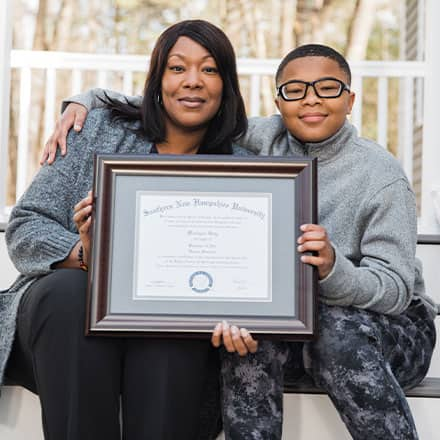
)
(189, 354)
(61, 294)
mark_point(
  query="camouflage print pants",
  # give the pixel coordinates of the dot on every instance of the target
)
(361, 359)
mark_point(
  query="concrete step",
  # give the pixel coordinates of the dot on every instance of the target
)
(306, 417)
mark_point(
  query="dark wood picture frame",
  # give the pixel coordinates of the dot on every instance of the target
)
(101, 321)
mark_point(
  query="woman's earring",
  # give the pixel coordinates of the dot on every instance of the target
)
(159, 99)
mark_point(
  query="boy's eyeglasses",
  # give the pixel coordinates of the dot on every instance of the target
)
(296, 89)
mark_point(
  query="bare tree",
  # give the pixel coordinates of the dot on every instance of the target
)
(321, 18)
(360, 27)
(312, 19)
(288, 19)
(40, 26)
(64, 23)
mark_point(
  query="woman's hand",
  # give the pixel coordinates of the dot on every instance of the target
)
(234, 339)
(83, 219)
(315, 239)
(74, 115)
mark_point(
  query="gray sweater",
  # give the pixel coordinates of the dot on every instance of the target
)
(41, 230)
(368, 208)
(365, 203)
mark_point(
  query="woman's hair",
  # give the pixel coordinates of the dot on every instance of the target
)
(228, 124)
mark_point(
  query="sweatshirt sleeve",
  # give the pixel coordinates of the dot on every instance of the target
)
(41, 231)
(252, 134)
(266, 136)
(383, 279)
(96, 98)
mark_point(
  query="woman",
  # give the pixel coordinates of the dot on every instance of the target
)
(191, 105)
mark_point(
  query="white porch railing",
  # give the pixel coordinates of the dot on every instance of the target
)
(104, 66)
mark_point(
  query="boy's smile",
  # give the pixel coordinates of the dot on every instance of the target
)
(314, 119)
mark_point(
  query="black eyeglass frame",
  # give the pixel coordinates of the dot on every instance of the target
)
(312, 84)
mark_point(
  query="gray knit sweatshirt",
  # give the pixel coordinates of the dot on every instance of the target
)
(366, 204)
(41, 230)
(368, 208)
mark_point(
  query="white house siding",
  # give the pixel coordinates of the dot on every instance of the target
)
(413, 51)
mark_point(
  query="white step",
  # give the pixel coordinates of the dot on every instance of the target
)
(306, 417)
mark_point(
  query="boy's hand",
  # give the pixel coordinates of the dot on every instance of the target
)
(315, 239)
(74, 115)
(234, 339)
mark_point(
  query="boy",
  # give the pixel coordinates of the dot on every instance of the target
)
(376, 331)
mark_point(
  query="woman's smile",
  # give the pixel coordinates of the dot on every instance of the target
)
(192, 102)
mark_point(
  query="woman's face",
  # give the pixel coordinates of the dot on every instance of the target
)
(191, 87)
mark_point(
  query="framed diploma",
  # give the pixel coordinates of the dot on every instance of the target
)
(181, 243)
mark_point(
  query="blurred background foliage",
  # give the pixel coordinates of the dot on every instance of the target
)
(360, 29)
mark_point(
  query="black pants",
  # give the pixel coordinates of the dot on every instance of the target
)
(85, 383)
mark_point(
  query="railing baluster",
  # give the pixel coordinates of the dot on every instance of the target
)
(127, 86)
(382, 112)
(76, 81)
(356, 114)
(102, 78)
(23, 130)
(49, 110)
(255, 95)
(406, 121)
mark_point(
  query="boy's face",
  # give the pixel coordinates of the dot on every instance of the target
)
(314, 119)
